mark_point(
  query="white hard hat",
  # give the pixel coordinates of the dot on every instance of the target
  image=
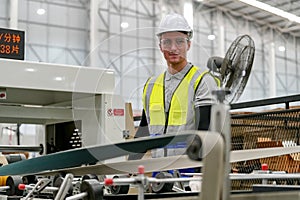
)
(174, 22)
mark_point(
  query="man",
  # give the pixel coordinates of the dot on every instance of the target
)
(181, 97)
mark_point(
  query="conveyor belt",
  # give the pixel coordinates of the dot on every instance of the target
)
(91, 155)
(168, 163)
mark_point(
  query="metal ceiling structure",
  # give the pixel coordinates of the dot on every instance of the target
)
(63, 35)
(263, 18)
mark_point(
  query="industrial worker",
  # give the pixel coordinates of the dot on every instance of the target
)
(181, 97)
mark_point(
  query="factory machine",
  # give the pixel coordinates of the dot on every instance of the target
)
(76, 104)
(78, 108)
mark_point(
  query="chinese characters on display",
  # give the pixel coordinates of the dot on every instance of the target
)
(12, 44)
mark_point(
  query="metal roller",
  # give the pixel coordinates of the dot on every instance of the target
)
(13, 186)
(119, 189)
(161, 187)
(90, 189)
(22, 148)
(90, 176)
(194, 150)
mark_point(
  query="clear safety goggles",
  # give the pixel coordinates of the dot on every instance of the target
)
(167, 43)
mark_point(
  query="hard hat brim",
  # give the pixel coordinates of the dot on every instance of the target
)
(188, 33)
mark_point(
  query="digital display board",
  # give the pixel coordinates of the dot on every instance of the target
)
(12, 44)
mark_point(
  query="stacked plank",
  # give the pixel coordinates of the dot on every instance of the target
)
(274, 128)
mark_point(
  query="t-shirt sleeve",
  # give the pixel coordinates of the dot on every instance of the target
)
(204, 96)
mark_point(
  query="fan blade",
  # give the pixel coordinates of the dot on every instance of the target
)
(236, 66)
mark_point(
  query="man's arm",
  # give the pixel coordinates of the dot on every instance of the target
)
(202, 117)
(204, 99)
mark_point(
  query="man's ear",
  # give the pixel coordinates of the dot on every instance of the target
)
(160, 47)
(189, 45)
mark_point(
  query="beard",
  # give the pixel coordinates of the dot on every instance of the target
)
(174, 57)
(176, 61)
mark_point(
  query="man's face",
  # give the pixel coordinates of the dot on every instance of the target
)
(174, 46)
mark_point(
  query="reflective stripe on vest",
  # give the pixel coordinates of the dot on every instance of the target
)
(156, 102)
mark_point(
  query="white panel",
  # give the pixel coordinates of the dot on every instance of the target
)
(290, 51)
(79, 59)
(114, 44)
(3, 23)
(130, 44)
(57, 15)
(73, 78)
(58, 36)
(77, 17)
(291, 68)
(280, 65)
(292, 84)
(57, 55)
(36, 34)
(3, 8)
(146, 23)
(37, 53)
(114, 123)
(23, 11)
(114, 24)
(103, 21)
(29, 55)
(77, 39)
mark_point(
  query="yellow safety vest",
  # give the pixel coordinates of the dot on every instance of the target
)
(181, 111)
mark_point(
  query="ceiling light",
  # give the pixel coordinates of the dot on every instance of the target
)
(32, 106)
(40, 11)
(273, 10)
(211, 37)
(109, 72)
(30, 70)
(59, 78)
(281, 48)
(124, 25)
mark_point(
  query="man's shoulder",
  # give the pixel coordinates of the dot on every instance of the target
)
(198, 68)
(153, 78)
(205, 75)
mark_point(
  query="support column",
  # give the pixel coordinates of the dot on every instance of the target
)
(188, 13)
(221, 35)
(13, 14)
(272, 68)
(94, 35)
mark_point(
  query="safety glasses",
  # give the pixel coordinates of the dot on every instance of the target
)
(167, 43)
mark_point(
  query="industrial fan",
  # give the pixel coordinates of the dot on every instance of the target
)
(234, 69)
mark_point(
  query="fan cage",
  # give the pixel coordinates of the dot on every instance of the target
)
(236, 67)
